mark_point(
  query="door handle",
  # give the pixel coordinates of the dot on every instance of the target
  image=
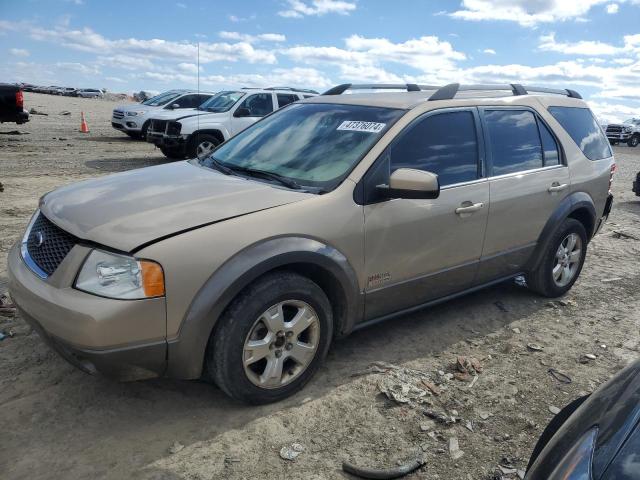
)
(470, 209)
(556, 187)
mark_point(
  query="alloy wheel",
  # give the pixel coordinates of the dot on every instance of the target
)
(204, 149)
(281, 344)
(567, 260)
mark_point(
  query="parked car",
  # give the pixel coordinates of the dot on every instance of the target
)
(627, 132)
(69, 91)
(199, 133)
(134, 119)
(594, 437)
(89, 93)
(12, 104)
(329, 215)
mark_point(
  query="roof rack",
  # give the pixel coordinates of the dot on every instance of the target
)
(293, 89)
(409, 87)
(449, 91)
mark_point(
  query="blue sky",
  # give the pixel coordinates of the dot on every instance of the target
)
(592, 46)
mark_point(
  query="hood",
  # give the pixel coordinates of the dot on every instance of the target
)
(173, 114)
(129, 209)
(135, 107)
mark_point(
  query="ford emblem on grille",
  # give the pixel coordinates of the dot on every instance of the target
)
(39, 239)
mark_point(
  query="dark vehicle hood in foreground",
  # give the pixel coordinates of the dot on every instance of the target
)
(614, 408)
(129, 209)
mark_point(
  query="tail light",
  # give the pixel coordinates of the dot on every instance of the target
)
(614, 167)
(19, 99)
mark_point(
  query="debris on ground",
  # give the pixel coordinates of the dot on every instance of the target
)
(587, 357)
(33, 111)
(403, 384)
(534, 347)
(609, 280)
(559, 376)
(65, 112)
(501, 306)
(439, 416)
(520, 281)
(14, 132)
(7, 307)
(454, 448)
(291, 452)
(175, 447)
(554, 410)
(620, 234)
(383, 474)
(516, 330)
(466, 368)
(1, 187)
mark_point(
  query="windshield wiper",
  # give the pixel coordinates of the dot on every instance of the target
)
(286, 181)
(212, 162)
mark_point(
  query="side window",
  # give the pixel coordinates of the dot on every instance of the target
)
(514, 141)
(584, 130)
(445, 144)
(550, 149)
(286, 99)
(200, 99)
(259, 104)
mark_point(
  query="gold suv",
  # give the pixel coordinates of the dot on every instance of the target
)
(328, 215)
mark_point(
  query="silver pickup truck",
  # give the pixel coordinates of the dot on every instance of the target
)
(627, 132)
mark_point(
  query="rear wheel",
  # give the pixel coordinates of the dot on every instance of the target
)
(202, 145)
(633, 141)
(271, 339)
(562, 262)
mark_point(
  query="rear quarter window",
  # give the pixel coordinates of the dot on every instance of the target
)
(583, 128)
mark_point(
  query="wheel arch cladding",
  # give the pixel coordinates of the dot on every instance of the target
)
(579, 206)
(319, 262)
(213, 131)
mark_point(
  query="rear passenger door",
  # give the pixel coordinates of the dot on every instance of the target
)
(286, 99)
(258, 105)
(528, 178)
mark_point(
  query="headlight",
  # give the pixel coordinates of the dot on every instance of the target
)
(628, 129)
(135, 114)
(576, 464)
(120, 276)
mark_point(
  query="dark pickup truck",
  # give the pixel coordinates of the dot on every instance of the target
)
(11, 104)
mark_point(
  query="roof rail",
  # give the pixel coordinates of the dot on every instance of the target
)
(449, 91)
(293, 89)
(409, 87)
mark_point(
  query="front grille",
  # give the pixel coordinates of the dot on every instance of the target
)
(118, 114)
(158, 126)
(614, 129)
(174, 128)
(48, 244)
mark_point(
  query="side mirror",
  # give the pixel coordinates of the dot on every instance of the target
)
(242, 112)
(411, 183)
(173, 106)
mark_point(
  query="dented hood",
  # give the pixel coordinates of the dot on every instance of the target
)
(129, 209)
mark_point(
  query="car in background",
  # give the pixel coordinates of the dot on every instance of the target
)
(89, 93)
(626, 132)
(218, 119)
(595, 436)
(134, 119)
(12, 104)
(69, 91)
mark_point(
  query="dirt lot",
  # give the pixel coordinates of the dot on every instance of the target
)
(57, 422)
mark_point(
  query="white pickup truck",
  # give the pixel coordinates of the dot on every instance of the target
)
(199, 132)
(133, 119)
(627, 132)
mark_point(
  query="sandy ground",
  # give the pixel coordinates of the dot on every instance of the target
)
(56, 422)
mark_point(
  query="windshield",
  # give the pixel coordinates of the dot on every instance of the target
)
(161, 99)
(221, 102)
(316, 145)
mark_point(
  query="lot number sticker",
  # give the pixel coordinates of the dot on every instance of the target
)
(357, 126)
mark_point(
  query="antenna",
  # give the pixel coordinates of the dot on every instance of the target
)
(198, 76)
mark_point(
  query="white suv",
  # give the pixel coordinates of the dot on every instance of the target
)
(133, 119)
(225, 114)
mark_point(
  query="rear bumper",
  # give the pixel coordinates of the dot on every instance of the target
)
(18, 117)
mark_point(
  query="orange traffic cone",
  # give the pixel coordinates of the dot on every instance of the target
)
(84, 128)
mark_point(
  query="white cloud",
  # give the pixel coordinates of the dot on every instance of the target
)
(584, 47)
(80, 68)
(19, 52)
(612, 8)
(181, 5)
(188, 67)
(115, 79)
(301, 8)
(524, 12)
(237, 19)
(489, 51)
(263, 37)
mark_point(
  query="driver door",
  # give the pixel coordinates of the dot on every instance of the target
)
(417, 250)
(250, 110)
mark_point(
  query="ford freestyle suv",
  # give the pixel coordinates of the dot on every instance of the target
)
(328, 215)
(133, 119)
(197, 134)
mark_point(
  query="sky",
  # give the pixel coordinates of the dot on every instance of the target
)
(592, 46)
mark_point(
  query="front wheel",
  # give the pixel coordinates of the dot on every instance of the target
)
(271, 339)
(633, 141)
(202, 145)
(562, 262)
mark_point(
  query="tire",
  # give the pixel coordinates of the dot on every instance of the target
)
(553, 426)
(200, 143)
(634, 141)
(544, 278)
(143, 130)
(242, 323)
(134, 135)
(172, 153)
